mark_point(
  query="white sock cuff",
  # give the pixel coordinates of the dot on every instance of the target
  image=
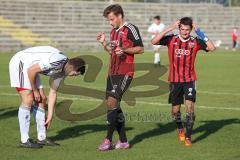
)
(41, 110)
(25, 107)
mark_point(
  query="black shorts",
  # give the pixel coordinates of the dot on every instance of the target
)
(117, 85)
(179, 91)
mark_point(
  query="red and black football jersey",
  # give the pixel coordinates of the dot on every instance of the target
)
(126, 36)
(182, 54)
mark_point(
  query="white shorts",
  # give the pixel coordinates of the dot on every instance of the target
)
(156, 47)
(19, 76)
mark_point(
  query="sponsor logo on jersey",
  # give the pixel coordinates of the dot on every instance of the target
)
(191, 44)
(114, 44)
(180, 52)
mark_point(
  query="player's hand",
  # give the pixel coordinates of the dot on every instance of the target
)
(194, 26)
(37, 96)
(48, 122)
(101, 37)
(175, 25)
(119, 51)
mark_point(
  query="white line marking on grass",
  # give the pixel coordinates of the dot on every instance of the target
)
(202, 107)
(198, 91)
(138, 102)
(219, 93)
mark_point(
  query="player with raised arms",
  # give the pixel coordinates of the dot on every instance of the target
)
(182, 51)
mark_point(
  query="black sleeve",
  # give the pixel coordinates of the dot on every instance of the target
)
(165, 40)
(201, 45)
(134, 35)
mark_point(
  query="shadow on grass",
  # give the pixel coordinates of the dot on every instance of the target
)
(210, 127)
(79, 130)
(8, 112)
(161, 129)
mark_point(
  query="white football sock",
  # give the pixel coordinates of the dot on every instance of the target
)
(39, 115)
(24, 122)
(156, 58)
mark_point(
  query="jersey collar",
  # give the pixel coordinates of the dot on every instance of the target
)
(125, 23)
(184, 40)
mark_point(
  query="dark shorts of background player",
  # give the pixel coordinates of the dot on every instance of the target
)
(234, 44)
(179, 91)
(117, 85)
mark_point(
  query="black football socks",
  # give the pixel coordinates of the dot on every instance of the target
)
(120, 125)
(111, 120)
(190, 118)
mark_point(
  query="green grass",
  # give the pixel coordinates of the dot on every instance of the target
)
(216, 131)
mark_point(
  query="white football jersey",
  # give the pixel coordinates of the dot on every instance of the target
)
(50, 59)
(156, 28)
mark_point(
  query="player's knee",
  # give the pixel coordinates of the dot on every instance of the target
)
(28, 100)
(111, 103)
(175, 109)
(111, 106)
(190, 106)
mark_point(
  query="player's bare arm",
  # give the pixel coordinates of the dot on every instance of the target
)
(153, 33)
(55, 82)
(32, 73)
(131, 50)
(210, 46)
(52, 97)
(170, 28)
(101, 37)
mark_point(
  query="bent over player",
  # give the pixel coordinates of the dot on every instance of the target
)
(182, 51)
(125, 41)
(24, 68)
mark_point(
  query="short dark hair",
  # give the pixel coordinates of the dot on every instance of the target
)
(78, 64)
(186, 21)
(115, 8)
(157, 17)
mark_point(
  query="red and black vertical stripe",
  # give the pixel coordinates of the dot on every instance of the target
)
(184, 62)
(120, 45)
(178, 59)
(173, 54)
(190, 62)
(114, 57)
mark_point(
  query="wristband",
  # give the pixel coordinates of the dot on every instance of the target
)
(201, 35)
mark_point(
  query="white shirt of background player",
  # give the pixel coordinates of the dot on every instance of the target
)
(154, 28)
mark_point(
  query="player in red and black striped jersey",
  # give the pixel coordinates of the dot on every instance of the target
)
(182, 51)
(125, 42)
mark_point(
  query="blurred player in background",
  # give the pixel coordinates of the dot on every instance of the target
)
(234, 38)
(155, 28)
(125, 42)
(182, 51)
(24, 68)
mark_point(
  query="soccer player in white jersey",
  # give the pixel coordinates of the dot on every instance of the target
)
(155, 28)
(24, 68)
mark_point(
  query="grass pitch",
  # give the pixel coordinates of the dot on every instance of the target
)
(150, 130)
